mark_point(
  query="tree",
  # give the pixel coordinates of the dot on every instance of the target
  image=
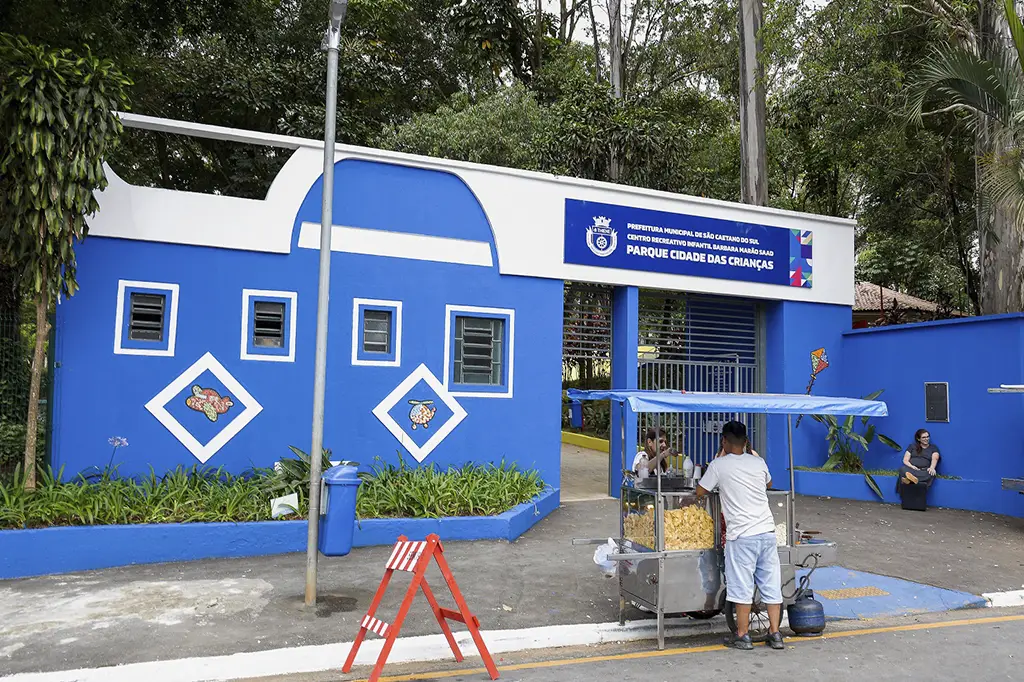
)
(983, 72)
(838, 145)
(57, 123)
(753, 163)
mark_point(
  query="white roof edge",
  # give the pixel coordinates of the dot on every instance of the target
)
(226, 134)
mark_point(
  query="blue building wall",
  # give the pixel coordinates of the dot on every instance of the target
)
(981, 443)
(793, 331)
(99, 393)
(625, 342)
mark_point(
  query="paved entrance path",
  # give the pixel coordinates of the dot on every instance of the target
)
(224, 606)
(584, 474)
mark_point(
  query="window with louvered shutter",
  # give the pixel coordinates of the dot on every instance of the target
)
(268, 324)
(377, 331)
(479, 350)
(146, 317)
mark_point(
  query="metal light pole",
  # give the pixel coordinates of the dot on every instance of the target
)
(332, 41)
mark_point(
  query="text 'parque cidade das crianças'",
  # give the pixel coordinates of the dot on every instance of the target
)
(668, 243)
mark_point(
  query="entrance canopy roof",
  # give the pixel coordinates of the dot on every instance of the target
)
(760, 403)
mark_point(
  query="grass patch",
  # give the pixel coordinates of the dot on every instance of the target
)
(873, 472)
(212, 495)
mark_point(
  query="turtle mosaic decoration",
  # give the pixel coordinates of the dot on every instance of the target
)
(209, 402)
(421, 413)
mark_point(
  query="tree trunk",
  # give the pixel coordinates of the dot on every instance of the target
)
(38, 358)
(999, 237)
(597, 42)
(615, 58)
(538, 38)
(753, 162)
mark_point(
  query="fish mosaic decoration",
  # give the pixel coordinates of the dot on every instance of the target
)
(209, 402)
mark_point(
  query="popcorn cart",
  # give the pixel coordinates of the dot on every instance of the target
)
(670, 551)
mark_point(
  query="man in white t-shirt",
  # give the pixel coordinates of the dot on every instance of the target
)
(751, 551)
(655, 453)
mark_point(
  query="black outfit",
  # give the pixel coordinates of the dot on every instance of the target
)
(922, 460)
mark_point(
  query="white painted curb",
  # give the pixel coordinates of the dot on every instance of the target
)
(1004, 599)
(311, 659)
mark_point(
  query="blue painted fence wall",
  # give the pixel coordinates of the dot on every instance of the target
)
(794, 331)
(982, 441)
(99, 394)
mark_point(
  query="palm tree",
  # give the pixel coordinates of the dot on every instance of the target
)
(984, 74)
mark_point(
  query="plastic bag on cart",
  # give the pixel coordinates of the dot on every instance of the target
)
(607, 566)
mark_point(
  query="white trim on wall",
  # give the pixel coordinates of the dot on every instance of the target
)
(172, 323)
(382, 409)
(399, 245)
(157, 406)
(293, 297)
(448, 310)
(525, 212)
(357, 342)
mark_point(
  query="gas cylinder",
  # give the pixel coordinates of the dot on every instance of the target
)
(806, 615)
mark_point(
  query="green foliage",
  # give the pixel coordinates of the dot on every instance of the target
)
(203, 494)
(181, 496)
(57, 123)
(509, 128)
(597, 414)
(846, 444)
(569, 125)
(258, 65)
(291, 475)
(429, 493)
(876, 472)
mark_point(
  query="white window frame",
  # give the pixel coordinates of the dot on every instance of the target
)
(293, 298)
(357, 340)
(171, 311)
(449, 311)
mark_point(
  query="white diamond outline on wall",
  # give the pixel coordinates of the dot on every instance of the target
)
(383, 409)
(157, 406)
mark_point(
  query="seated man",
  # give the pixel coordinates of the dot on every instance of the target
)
(919, 461)
(655, 453)
(751, 549)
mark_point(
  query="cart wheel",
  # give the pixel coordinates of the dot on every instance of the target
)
(759, 625)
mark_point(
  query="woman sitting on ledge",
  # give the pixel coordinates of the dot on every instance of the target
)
(919, 461)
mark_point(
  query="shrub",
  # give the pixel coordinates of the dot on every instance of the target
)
(206, 494)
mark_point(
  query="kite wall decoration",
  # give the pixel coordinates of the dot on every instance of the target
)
(819, 362)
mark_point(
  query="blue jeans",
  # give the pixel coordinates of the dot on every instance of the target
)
(750, 561)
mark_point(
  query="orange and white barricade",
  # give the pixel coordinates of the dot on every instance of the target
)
(414, 557)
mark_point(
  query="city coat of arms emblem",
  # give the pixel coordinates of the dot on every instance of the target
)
(601, 238)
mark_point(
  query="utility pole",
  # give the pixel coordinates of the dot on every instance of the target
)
(753, 159)
(332, 43)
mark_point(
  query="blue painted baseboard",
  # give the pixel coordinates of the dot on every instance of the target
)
(65, 549)
(974, 495)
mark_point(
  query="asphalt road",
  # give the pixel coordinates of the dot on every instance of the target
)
(974, 647)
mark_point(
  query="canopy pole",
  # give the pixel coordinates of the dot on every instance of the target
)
(791, 530)
(622, 433)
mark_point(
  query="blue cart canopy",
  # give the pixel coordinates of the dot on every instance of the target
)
(760, 403)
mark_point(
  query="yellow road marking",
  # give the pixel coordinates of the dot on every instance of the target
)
(442, 674)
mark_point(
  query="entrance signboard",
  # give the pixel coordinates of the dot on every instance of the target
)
(610, 236)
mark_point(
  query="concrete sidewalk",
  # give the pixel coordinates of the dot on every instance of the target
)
(218, 607)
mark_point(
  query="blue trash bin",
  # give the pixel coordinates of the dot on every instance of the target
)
(338, 509)
(576, 414)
